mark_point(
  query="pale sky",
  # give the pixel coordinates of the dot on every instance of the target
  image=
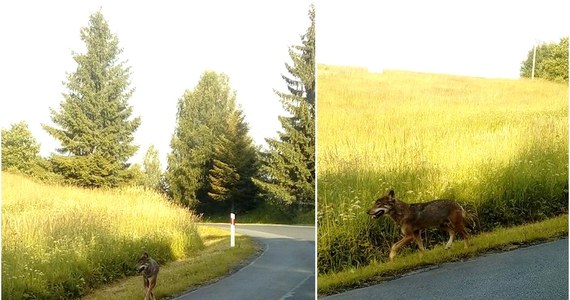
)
(483, 38)
(167, 44)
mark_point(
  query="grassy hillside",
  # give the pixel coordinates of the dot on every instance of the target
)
(499, 147)
(59, 242)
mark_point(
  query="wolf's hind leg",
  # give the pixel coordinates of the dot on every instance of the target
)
(419, 242)
(418, 239)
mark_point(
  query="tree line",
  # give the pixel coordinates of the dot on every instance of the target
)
(214, 165)
(550, 61)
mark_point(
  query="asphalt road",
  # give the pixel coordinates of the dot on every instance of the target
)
(535, 272)
(285, 269)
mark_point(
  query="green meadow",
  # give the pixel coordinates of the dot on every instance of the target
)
(497, 146)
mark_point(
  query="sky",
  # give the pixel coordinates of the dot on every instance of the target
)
(481, 38)
(167, 44)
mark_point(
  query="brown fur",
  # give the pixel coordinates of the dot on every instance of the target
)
(149, 269)
(445, 214)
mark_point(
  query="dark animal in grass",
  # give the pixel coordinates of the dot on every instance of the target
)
(445, 214)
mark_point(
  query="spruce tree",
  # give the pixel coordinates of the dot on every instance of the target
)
(210, 147)
(234, 164)
(289, 164)
(95, 128)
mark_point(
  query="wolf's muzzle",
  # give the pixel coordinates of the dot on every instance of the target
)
(377, 212)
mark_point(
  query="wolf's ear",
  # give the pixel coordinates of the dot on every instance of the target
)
(391, 198)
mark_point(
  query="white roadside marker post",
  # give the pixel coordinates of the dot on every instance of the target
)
(233, 230)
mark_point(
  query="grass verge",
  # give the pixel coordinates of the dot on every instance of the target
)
(497, 240)
(215, 261)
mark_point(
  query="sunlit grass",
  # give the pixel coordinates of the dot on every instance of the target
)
(497, 146)
(393, 120)
(59, 242)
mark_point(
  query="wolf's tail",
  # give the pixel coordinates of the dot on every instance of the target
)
(471, 218)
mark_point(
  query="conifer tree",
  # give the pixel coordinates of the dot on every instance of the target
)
(234, 165)
(211, 153)
(289, 165)
(95, 128)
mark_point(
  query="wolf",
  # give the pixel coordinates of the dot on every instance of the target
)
(445, 214)
(149, 269)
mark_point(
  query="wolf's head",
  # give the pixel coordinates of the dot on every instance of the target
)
(383, 205)
(144, 262)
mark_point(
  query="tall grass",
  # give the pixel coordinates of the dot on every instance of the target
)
(497, 146)
(59, 242)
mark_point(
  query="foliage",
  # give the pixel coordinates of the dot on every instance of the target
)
(213, 158)
(289, 164)
(497, 146)
(152, 171)
(265, 213)
(551, 61)
(94, 126)
(234, 163)
(137, 173)
(59, 242)
(21, 154)
(19, 148)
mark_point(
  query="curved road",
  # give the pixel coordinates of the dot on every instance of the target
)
(535, 272)
(285, 269)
